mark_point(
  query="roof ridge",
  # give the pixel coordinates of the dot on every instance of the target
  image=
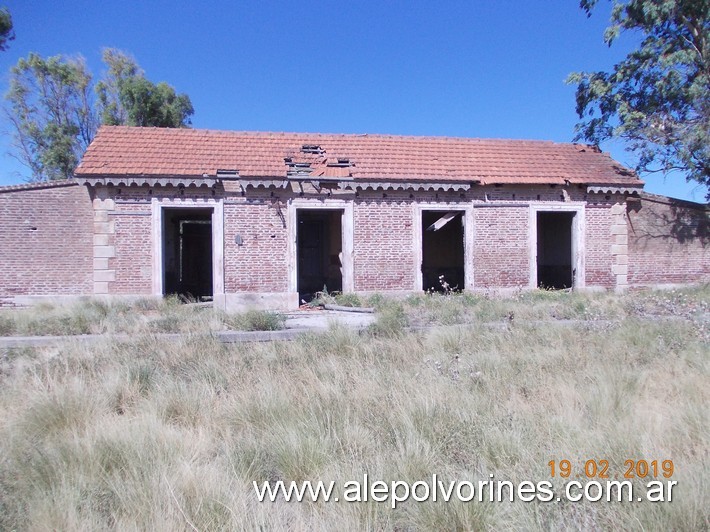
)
(375, 136)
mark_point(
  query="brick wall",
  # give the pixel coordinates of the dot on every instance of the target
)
(45, 240)
(501, 255)
(598, 243)
(383, 242)
(132, 241)
(669, 241)
(53, 241)
(260, 263)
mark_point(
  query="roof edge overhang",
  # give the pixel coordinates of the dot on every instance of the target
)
(146, 180)
(413, 185)
(343, 183)
(358, 184)
(615, 189)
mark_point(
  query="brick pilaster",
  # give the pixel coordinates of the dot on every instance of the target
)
(104, 229)
(620, 246)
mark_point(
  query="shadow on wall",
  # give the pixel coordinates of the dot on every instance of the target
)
(658, 217)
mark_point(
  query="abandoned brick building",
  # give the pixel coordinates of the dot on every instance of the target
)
(268, 219)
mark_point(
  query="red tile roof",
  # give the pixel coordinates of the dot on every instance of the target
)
(131, 151)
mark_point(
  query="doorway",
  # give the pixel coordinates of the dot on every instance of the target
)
(187, 253)
(319, 242)
(442, 250)
(555, 250)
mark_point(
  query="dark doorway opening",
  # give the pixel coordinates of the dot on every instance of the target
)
(554, 250)
(320, 245)
(187, 253)
(442, 250)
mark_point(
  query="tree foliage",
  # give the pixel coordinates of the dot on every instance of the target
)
(127, 97)
(55, 113)
(51, 108)
(121, 67)
(658, 98)
(6, 31)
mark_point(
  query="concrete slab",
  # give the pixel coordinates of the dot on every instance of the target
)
(321, 319)
(297, 323)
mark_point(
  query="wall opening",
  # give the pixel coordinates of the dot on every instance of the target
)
(187, 253)
(319, 242)
(442, 250)
(555, 250)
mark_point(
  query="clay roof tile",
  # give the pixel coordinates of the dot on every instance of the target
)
(120, 150)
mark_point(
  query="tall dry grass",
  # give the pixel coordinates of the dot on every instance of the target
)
(141, 316)
(170, 435)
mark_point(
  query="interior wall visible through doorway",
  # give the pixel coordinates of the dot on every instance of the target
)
(319, 249)
(443, 256)
(555, 261)
(187, 253)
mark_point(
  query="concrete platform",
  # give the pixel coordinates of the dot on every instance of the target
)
(297, 323)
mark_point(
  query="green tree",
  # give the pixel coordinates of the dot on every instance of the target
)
(51, 109)
(121, 68)
(658, 98)
(126, 97)
(6, 32)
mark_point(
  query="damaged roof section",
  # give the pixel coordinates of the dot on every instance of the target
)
(199, 154)
(313, 161)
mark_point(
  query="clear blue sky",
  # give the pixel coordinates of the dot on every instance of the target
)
(457, 68)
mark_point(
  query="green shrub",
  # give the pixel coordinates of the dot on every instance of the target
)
(375, 300)
(348, 300)
(256, 320)
(390, 322)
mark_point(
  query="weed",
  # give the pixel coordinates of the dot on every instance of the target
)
(375, 300)
(7, 324)
(348, 300)
(390, 321)
(256, 320)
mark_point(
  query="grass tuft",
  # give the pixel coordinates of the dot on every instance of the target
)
(256, 320)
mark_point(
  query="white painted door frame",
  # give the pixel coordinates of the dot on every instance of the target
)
(468, 231)
(578, 239)
(346, 228)
(217, 207)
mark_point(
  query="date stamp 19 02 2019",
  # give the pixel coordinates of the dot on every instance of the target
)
(600, 469)
(594, 471)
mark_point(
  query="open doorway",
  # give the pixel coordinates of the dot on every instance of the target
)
(555, 254)
(442, 250)
(187, 253)
(320, 252)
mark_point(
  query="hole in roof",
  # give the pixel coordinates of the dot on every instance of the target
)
(312, 148)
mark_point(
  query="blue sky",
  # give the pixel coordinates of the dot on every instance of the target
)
(457, 68)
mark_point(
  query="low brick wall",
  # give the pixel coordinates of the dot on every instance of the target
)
(46, 246)
(669, 242)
